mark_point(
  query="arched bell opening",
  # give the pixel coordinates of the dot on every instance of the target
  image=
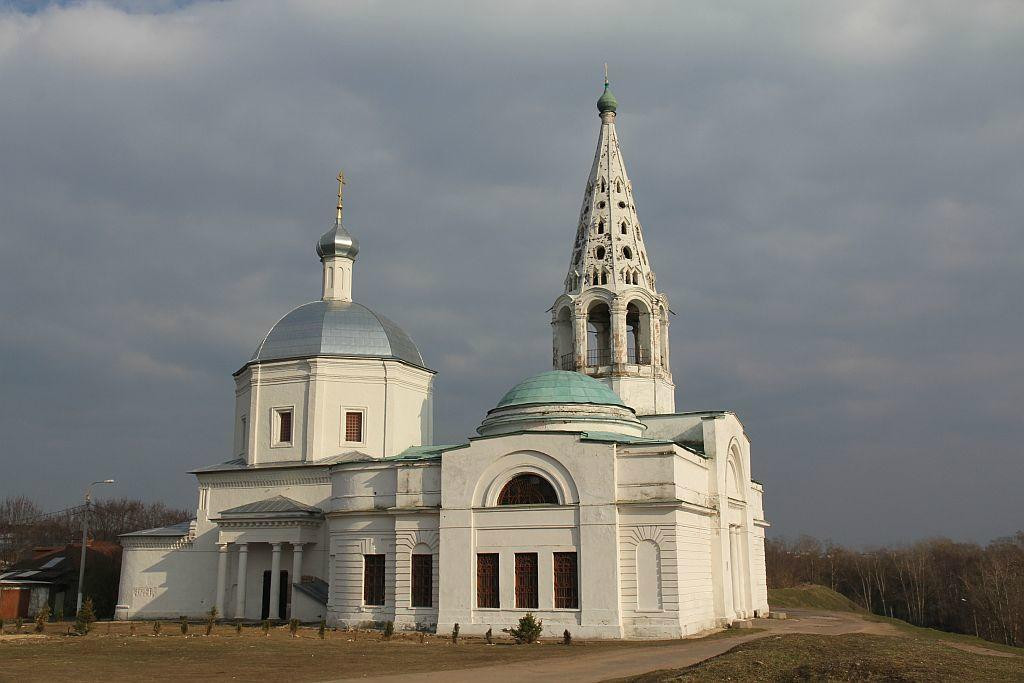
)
(565, 356)
(638, 334)
(599, 333)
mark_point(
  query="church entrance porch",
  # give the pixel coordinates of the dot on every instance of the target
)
(261, 540)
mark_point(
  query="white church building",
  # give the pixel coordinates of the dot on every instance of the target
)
(584, 498)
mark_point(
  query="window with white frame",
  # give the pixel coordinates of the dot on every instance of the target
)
(352, 425)
(284, 426)
(243, 436)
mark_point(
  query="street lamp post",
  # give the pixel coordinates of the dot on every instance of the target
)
(85, 531)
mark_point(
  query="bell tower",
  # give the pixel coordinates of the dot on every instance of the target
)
(611, 323)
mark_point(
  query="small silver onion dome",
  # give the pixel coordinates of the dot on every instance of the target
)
(337, 242)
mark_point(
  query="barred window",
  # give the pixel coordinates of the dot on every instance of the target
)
(526, 580)
(528, 489)
(566, 581)
(422, 580)
(284, 426)
(487, 580)
(354, 426)
(373, 579)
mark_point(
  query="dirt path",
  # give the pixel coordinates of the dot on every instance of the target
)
(637, 660)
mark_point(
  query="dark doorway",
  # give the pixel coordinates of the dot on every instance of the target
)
(282, 601)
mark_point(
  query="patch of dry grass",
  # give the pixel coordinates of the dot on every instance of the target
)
(110, 653)
(851, 657)
(810, 596)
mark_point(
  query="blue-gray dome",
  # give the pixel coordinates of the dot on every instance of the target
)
(336, 328)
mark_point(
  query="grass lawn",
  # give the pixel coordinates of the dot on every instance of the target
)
(851, 657)
(810, 596)
(111, 653)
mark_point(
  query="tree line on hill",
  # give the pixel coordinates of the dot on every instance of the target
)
(25, 525)
(938, 583)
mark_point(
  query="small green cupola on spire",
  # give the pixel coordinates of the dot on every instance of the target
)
(607, 101)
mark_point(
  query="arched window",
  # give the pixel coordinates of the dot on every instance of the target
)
(602, 185)
(600, 227)
(624, 228)
(599, 253)
(618, 186)
(604, 277)
(528, 489)
(627, 253)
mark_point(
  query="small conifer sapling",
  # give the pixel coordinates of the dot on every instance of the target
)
(41, 618)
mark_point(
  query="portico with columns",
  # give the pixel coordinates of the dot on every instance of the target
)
(284, 526)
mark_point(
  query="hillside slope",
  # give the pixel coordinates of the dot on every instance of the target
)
(810, 596)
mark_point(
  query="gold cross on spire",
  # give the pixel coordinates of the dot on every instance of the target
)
(606, 73)
(341, 184)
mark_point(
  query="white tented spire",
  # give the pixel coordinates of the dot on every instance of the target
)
(610, 322)
(609, 249)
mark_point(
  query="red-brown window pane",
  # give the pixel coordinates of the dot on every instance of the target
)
(566, 582)
(422, 580)
(528, 489)
(284, 431)
(354, 427)
(373, 579)
(526, 580)
(487, 580)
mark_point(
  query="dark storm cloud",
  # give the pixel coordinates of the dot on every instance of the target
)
(831, 194)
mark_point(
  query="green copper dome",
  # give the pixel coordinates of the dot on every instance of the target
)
(607, 101)
(560, 386)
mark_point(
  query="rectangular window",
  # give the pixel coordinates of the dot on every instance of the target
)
(422, 580)
(373, 579)
(244, 437)
(354, 426)
(566, 583)
(282, 426)
(526, 580)
(487, 580)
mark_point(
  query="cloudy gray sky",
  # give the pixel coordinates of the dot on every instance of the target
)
(831, 193)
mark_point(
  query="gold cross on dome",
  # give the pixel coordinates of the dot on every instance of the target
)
(341, 184)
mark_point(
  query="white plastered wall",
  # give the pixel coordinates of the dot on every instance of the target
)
(586, 523)
(396, 399)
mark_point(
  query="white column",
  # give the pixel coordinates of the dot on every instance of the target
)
(734, 566)
(619, 345)
(222, 571)
(580, 336)
(296, 575)
(243, 557)
(275, 580)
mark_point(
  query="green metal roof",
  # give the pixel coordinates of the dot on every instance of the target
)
(622, 438)
(423, 452)
(560, 386)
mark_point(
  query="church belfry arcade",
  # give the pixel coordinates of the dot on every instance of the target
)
(611, 323)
